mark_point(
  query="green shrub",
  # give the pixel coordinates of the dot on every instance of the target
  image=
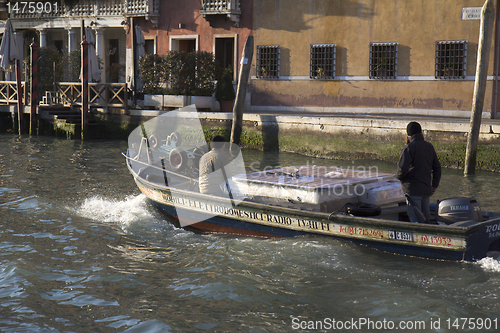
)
(201, 73)
(153, 73)
(179, 74)
(47, 71)
(74, 66)
(175, 65)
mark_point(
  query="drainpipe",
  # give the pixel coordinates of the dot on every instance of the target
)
(497, 55)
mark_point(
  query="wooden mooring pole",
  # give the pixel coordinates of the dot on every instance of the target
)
(483, 52)
(85, 87)
(20, 106)
(34, 90)
(239, 104)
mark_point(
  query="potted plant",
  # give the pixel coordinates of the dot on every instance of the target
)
(224, 91)
(320, 73)
(381, 70)
(450, 68)
(263, 71)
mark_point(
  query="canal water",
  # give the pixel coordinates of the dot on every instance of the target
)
(82, 251)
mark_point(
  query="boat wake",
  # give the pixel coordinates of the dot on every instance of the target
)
(124, 212)
(490, 264)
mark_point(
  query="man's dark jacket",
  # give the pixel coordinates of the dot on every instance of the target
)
(418, 168)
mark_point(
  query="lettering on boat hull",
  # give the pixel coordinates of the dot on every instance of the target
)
(304, 224)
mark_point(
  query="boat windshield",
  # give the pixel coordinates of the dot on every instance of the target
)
(166, 151)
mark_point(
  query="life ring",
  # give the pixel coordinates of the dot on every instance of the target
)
(363, 209)
(176, 136)
(178, 159)
(153, 141)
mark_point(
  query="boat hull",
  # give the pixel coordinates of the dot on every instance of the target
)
(207, 214)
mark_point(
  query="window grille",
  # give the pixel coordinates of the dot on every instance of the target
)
(322, 61)
(268, 61)
(451, 59)
(383, 60)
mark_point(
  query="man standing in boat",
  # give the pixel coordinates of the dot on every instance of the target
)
(212, 168)
(419, 171)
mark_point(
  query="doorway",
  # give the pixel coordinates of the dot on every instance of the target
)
(224, 52)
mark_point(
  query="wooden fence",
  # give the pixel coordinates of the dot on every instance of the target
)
(101, 95)
(8, 92)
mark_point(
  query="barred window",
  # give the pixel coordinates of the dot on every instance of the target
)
(451, 59)
(383, 60)
(268, 61)
(322, 61)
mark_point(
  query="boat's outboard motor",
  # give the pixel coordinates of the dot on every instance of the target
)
(460, 209)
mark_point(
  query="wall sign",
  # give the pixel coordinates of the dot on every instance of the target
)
(471, 13)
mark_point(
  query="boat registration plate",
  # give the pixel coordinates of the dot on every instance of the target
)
(401, 235)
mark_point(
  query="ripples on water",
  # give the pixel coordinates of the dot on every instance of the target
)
(81, 250)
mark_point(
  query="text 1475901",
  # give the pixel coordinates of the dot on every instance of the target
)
(32, 7)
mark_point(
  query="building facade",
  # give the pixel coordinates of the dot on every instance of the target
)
(395, 55)
(311, 55)
(58, 24)
(218, 26)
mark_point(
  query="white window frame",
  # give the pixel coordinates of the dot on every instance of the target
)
(175, 38)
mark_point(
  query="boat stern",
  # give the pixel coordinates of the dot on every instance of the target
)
(484, 240)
